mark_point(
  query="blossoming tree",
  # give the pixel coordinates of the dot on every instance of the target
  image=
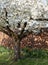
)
(18, 18)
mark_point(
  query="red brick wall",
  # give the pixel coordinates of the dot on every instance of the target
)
(32, 41)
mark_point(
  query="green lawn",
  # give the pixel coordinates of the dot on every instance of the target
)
(5, 59)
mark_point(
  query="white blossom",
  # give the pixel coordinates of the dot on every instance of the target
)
(22, 10)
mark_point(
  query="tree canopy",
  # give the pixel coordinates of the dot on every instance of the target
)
(34, 12)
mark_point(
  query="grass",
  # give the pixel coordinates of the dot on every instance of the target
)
(5, 59)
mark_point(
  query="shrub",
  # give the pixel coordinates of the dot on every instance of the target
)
(35, 53)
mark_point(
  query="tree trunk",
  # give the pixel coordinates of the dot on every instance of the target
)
(17, 49)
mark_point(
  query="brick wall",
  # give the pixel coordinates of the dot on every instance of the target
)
(31, 41)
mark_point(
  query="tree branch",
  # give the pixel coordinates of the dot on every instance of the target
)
(39, 19)
(6, 14)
